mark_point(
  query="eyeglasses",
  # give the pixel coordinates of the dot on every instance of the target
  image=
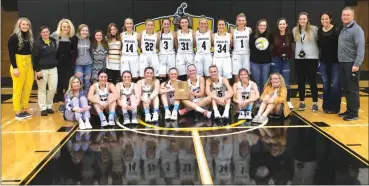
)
(262, 25)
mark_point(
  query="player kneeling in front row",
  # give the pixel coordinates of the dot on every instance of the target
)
(127, 97)
(220, 92)
(76, 103)
(197, 99)
(274, 99)
(103, 96)
(148, 90)
(167, 95)
(246, 93)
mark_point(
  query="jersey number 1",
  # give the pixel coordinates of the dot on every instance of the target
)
(241, 43)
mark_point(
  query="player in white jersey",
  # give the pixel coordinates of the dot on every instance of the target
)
(241, 48)
(220, 92)
(246, 93)
(185, 56)
(241, 157)
(130, 57)
(113, 64)
(197, 101)
(168, 43)
(187, 163)
(150, 155)
(221, 150)
(148, 89)
(149, 44)
(131, 145)
(103, 96)
(169, 155)
(167, 95)
(202, 42)
(222, 45)
(128, 100)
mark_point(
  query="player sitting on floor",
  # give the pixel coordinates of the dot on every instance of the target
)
(127, 97)
(219, 90)
(148, 89)
(167, 95)
(273, 99)
(76, 103)
(103, 96)
(246, 93)
(197, 98)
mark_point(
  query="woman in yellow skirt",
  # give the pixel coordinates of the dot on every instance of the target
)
(21, 69)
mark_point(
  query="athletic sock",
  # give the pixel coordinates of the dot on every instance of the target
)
(111, 116)
(175, 108)
(102, 116)
(166, 108)
(147, 111)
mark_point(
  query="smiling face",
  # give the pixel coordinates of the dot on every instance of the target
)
(166, 25)
(244, 77)
(191, 71)
(241, 21)
(221, 26)
(262, 26)
(24, 26)
(203, 25)
(128, 24)
(303, 19)
(76, 84)
(103, 77)
(84, 32)
(149, 74)
(45, 33)
(347, 16)
(276, 82)
(213, 71)
(184, 23)
(65, 28)
(113, 30)
(173, 74)
(150, 26)
(127, 78)
(325, 20)
(98, 36)
(282, 25)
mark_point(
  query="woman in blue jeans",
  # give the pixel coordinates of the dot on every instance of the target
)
(260, 54)
(81, 44)
(329, 66)
(282, 53)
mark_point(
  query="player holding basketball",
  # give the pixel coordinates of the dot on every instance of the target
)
(219, 90)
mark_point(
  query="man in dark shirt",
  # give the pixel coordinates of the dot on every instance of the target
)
(351, 50)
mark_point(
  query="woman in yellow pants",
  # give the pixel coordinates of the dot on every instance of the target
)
(21, 69)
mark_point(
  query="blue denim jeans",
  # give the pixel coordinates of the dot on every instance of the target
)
(260, 74)
(85, 78)
(281, 66)
(331, 86)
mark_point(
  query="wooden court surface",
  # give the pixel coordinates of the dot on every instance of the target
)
(28, 144)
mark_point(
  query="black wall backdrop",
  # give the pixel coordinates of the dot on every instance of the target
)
(99, 13)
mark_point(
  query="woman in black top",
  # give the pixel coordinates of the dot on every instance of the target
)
(63, 35)
(329, 66)
(44, 63)
(20, 46)
(260, 54)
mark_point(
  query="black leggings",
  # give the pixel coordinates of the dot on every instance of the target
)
(65, 72)
(307, 69)
(114, 76)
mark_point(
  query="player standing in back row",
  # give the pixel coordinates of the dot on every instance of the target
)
(168, 44)
(185, 46)
(203, 58)
(129, 57)
(241, 48)
(149, 45)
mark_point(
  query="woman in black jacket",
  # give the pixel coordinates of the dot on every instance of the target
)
(44, 63)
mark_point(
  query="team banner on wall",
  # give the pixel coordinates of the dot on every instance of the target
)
(180, 12)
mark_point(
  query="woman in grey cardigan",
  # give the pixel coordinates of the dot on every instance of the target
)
(306, 55)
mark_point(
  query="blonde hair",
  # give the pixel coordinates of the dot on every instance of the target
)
(281, 80)
(71, 82)
(79, 29)
(202, 18)
(17, 31)
(149, 20)
(307, 28)
(241, 15)
(124, 23)
(71, 28)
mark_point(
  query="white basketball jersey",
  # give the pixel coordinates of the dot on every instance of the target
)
(245, 91)
(166, 43)
(127, 91)
(187, 165)
(203, 42)
(171, 93)
(148, 43)
(103, 94)
(168, 159)
(151, 168)
(241, 41)
(133, 169)
(218, 87)
(130, 44)
(146, 89)
(223, 169)
(222, 45)
(185, 42)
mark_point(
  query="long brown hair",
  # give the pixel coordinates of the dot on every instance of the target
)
(94, 43)
(109, 36)
(307, 28)
(277, 33)
(257, 32)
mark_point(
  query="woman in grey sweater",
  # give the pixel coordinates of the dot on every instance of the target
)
(306, 55)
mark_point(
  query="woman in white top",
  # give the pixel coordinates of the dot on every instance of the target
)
(129, 57)
(185, 47)
(114, 52)
(246, 93)
(220, 92)
(197, 100)
(202, 41)
(167, 95)
(148, 89)
(103, 96)
(128, 100)
(222, 42)
(241, 48)
(168, 44)
(149, 44)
